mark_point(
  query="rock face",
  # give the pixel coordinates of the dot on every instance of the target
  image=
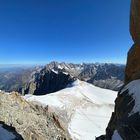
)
(50, 79)
(135, 21)
(32, 121)
(125, 120)
(133, 62)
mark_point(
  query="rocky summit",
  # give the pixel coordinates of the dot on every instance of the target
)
(125, 120)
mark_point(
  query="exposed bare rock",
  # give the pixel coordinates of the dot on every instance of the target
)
(126, 119)
(47, 81)
(135, 21)
(133, 62)
(32, 121)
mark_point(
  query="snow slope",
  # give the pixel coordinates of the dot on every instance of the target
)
(84, 108)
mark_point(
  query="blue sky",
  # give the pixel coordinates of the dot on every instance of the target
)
(40, 31)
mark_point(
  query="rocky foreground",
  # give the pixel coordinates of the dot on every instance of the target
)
(32, 122)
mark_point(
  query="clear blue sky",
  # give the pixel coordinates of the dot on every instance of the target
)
(40, 31)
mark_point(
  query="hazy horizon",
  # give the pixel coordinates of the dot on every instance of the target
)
(42, 64)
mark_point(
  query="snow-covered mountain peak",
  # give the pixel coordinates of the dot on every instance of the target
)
(72, 69)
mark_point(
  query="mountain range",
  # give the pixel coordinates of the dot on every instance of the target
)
(55, 76)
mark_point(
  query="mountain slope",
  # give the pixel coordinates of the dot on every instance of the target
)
(108, 76)
(47, 81)
(84, 110)
(13, 78)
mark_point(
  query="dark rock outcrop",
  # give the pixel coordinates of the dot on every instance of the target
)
(126, 119)
(133, 61)
(48, 80)
(133, 64)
